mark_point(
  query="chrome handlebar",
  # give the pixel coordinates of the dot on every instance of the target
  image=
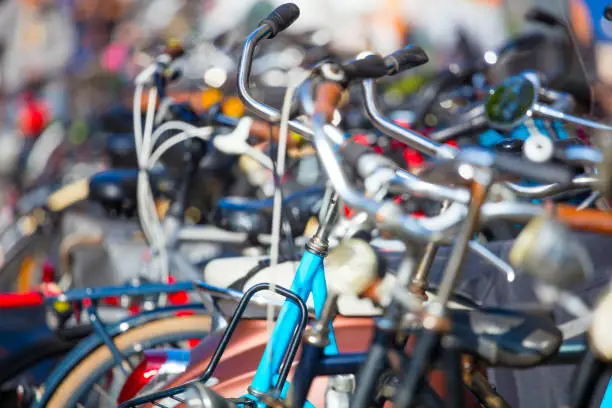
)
(244, 71)
(581, 154)
(409, 137)
(391, 217)
(388, 214)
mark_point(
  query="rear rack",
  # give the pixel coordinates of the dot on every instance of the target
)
(172, 393)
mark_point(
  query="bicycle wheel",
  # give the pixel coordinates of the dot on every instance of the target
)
(81, 384)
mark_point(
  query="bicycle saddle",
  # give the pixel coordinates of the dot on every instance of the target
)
(121, 151)
(240, 214)
(504, 337)
(116, 190)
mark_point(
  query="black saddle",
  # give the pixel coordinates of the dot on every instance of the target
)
(502, 337)
(121, 151)
(240, 214)
(116, 190)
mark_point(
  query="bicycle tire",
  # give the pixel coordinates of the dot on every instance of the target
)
(86, 371)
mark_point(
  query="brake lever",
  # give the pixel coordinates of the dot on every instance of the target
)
(235, 143)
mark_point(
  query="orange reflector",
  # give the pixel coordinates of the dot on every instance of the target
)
(26, 270)
(161, 207)
(210, 97)
(233, 107)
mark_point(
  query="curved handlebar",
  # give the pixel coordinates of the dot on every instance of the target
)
(244, 71)
(409, 137)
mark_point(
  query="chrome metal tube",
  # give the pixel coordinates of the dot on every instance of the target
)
(493, 260)
(548, 112)
(334, 171)
(388, 213)
(546, 190)
(409, 137)
(244, 71)
(419, 187)
(584, 155)
(510, 211)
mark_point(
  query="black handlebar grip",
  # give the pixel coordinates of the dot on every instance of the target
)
(408, 57)
(373, 66)
(542, 16)
(608, 12)
(542, 172)
(281, 18)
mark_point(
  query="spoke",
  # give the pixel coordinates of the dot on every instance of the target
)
(103, 393)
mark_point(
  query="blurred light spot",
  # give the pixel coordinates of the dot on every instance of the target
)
(431, 120)
(393, 97)
(364, 54)
(292, 57)
(321, 37)
(193, 214)
(490, 57)
(274, 78)
(446, 104)
(215, 77)
(210, 97)
(233, 107)
(466, 171)
(337, 118)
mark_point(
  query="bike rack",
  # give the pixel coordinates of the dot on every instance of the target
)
(212, 365)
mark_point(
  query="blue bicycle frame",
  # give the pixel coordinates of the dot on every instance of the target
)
(606, 401)
(309, 279)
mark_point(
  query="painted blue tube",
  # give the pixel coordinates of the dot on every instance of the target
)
(286, 323)
(319, 295)
(606, 401)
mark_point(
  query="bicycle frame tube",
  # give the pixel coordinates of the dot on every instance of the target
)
(606, 401)
(309, 278)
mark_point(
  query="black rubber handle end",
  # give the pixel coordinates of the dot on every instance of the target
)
(408, 57)
(608, 12)
(373, 66)
(281, 18)
(541, 16)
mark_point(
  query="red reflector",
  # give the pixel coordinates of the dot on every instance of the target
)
(8, 300)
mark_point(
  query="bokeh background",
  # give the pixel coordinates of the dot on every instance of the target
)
(68, 62)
